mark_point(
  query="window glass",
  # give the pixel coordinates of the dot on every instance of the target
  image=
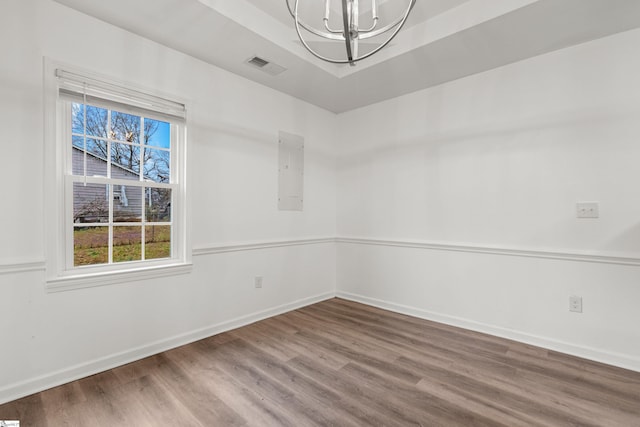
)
(90, 245)
(127, 243)
(113, 206)
(127, 203)
(97, 120)
(90, 203)
(157, 165)
(158, 204)
(157, 133)
(125, 161)
(95, 160)
(157, 241)
(125, 127)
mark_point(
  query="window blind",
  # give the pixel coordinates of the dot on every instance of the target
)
(81, 88)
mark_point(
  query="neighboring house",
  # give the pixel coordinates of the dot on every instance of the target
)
(91, 201)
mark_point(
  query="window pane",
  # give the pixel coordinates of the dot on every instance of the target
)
(157, 204)
(96, 158)
(127, 244)
(90, 203)
(127, 203)
(125, 157)
(96, 120)
(125, 127)
(157, 241)
(157, 133)
(157, 165)
(125, 161)
(90, 245)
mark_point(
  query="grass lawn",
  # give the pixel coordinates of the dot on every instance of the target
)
(91, 244)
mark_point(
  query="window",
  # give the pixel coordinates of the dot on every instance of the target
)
(120, 202)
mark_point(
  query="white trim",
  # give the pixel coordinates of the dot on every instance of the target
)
(67, 283)
(36, 265)
(60, 271)
(80, 281)
(564, 255)
(616, 359)
(236, 247)
(72, 373)
(22, 266)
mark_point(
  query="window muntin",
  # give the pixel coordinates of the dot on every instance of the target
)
(112, 209)
(121, 172)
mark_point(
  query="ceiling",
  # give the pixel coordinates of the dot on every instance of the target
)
(443, 40)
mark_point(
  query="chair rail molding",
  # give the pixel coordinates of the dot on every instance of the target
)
(555, 254)
(257, 245)
(21, 266)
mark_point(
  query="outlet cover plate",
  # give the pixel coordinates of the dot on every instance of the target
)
(575, 304)
(587, 210)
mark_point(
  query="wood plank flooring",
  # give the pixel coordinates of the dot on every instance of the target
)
(339, 363)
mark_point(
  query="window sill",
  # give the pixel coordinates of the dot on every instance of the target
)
(61, 284)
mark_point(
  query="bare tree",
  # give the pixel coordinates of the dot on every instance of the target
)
(157, 165)
(91, 211)
(124, 127)
(130, 136)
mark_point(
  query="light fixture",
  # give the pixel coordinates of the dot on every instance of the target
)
(349, 32)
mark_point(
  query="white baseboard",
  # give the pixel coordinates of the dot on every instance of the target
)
(609, 358)
(63, 376)
(72, 373)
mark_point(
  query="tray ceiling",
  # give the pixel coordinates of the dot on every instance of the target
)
(444, 40)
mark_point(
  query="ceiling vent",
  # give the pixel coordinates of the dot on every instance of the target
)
(265, 65)
(258, 62)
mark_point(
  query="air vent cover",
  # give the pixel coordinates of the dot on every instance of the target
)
(258, 62)
(265, 65)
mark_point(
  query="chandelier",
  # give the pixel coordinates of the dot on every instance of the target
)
(349, 32)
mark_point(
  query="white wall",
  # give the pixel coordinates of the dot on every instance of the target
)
(459, 202)
(475, 182)
(233, 131)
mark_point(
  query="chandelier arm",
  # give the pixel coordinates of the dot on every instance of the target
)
(304, 43)
(376, 50)
(338, 36)
(347, 30)
(374, 17)
(327, 12)
(312, 30)
(365, 34)
(326, 25)
(372, 27)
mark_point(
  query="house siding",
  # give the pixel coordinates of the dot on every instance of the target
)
(90, 201)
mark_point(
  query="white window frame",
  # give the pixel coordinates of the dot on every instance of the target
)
(62, 275)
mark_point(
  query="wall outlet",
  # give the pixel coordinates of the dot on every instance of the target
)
(587, 210)
(258, 282)
(575, 304)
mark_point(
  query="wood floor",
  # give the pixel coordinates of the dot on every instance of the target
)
(344, 364)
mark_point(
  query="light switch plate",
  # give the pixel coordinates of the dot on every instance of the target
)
(575, 304)
(587, 210)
